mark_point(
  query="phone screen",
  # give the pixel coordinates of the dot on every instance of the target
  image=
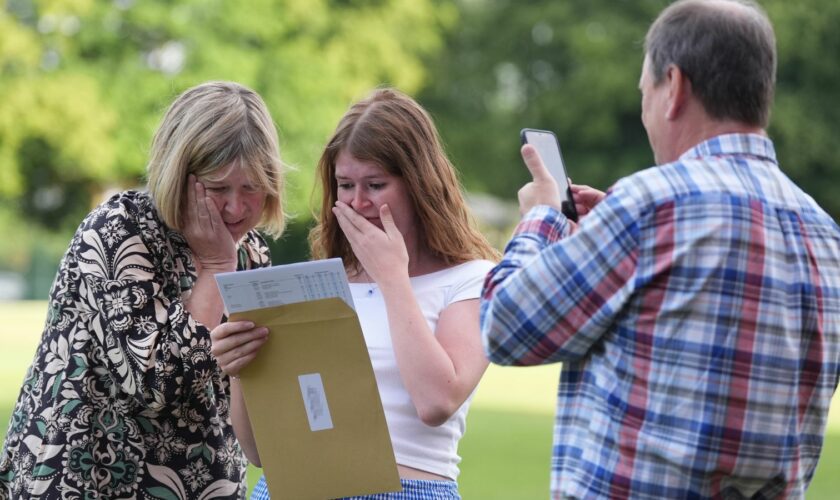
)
(549, 149)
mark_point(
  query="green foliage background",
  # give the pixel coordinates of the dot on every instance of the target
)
(573, 67)
(85, 82)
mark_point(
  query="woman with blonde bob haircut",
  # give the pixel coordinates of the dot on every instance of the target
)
(124, 399)
(210, 127)
(394, 211)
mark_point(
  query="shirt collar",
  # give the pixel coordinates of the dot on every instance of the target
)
(756, 145)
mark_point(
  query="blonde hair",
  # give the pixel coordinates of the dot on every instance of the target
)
(207, 128)
(391, 130)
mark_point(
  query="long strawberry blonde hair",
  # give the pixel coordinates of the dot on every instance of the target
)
(392, 130)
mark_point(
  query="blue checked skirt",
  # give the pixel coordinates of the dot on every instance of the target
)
(413, 489)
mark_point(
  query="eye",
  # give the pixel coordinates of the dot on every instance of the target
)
(251, 188)
(216, 189)
(345, 185)
(376, 186)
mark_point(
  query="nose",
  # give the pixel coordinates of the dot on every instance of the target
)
(234, 204)
(359, 200)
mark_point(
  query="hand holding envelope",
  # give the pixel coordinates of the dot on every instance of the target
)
(310, 392)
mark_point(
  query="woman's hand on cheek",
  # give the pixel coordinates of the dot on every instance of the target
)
(205, 231)
(382, 253)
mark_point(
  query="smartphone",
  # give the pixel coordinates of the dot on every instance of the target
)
(549, 149)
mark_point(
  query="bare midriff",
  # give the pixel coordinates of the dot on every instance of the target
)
(411, 473)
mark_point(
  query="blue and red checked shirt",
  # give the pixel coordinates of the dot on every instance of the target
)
(696, 311)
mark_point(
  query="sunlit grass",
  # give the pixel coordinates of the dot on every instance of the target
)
(506, 451)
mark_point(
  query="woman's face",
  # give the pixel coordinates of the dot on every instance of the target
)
(366, 186)
(239, 200)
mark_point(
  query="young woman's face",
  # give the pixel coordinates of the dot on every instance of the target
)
(239, 200)
(366, 186)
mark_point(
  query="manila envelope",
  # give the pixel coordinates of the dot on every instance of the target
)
(314, 405)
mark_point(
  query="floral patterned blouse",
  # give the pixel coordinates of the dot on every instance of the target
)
(123, 399)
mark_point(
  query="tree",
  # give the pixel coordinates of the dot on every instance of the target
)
(573, 67)
(87, 82)
(566, 66)
(805, 119)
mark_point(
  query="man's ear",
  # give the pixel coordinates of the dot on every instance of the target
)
(679, 90)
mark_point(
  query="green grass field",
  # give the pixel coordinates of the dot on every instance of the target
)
(506, 451)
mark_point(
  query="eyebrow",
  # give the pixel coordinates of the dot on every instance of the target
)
(366, 177)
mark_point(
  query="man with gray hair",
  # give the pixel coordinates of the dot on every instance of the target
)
(696, 306)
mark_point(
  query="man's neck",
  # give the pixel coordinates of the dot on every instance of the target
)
(716, 128)
(693, 133)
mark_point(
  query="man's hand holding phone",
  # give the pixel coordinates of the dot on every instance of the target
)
(543, 189)
(548, 148)
(586, 198)
(551, 185)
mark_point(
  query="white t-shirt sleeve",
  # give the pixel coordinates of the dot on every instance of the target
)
(469, 283)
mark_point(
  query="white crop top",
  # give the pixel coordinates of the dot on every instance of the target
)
(417, 445)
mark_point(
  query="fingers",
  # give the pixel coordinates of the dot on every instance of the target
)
(380, 250)
(205, 221)
(214, 217)
(191, 202)
(388, 223)
(347, 217)
(543, 190)
(587, 192)
(239, 357)
(344, 217)
(209, 218)
(355, 227)
(197, 210)
(203, 216)
(233, 368)
(229, 329)
(236, 344)
(586, 198)
(200, 197)
(535, 164)
(201, 208)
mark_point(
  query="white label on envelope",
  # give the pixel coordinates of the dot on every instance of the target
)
(315, 402)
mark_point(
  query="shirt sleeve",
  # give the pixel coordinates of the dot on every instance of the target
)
(553, 295)
(470, 282)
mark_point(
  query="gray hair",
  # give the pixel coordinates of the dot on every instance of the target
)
(727, 50)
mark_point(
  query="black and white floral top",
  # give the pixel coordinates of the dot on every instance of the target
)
(123, 399)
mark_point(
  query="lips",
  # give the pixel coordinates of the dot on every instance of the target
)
(235, 226)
